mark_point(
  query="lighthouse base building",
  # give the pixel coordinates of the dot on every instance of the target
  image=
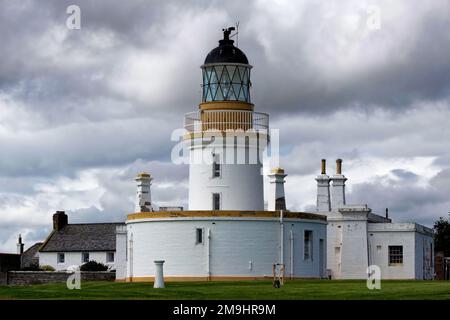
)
(213, 245)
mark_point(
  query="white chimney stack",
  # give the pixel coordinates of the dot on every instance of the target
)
(276, 197)
(323, 189)
(338, 187)
(143, 195)
(20, 245)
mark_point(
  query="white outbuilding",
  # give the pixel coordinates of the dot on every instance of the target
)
(358, 238)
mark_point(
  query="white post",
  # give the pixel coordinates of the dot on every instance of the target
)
(291, 238)
(159, 275)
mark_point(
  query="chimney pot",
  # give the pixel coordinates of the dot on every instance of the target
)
(387, 213)
(324, 166)
(339, 166)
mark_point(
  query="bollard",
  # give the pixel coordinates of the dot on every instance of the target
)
(159, 275)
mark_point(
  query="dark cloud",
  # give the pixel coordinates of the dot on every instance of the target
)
(82, 111)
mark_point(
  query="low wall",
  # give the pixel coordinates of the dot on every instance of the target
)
(16, 278)
(3, 278)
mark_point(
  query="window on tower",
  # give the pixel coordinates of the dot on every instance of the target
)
(216, 201)
(216, 166)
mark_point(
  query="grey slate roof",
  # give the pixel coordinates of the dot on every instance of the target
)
(82, 237)
(29, 257)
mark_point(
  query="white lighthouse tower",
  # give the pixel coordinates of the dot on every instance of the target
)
(226, 136)
(225, 234)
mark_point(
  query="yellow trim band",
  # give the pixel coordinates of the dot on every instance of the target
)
(205, 278)
(224, 213)
(226, 105)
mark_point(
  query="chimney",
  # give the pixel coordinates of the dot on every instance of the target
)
(276, 197)
(60, 220)
(338, 187)
(387, 213)
(143, 195)
(20, 245)
(323, 189)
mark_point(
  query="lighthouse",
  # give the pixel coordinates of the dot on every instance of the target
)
(226, 137)
(225, 234)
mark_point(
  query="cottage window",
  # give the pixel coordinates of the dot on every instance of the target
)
(395, 255)
(85, 257)
(110, 257)
(61, 258)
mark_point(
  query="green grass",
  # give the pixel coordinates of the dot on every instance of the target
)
(296, 289)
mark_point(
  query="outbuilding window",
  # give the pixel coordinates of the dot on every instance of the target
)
(308, 245)
(395, 255)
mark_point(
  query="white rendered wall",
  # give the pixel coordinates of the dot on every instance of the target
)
(347, 247)
(71, 259)
(424, 256)
(241, 186)
(237, 247)
(120, 259)
(380, 257)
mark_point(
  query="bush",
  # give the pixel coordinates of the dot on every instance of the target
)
(93, 266)
(35, 267)
(32, 267)
(46, 267)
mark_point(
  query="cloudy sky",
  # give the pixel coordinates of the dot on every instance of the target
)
(82, 111)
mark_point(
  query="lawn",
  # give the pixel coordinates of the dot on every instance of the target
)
(261, 290)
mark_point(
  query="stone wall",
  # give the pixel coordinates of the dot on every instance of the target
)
(3, 278)
(40, 277)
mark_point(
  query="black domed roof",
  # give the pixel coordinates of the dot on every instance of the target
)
(226, 51)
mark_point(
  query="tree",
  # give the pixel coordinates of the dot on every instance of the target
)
(442, 236)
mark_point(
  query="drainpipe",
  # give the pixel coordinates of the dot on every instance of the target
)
(281, 238)
(208, 254)
(291, 239)
(130, 257)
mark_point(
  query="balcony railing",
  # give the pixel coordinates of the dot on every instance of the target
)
(211, 120)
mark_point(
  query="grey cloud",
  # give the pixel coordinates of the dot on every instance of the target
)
(106, 97)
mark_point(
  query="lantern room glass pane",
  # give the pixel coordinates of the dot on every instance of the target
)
(226, 82)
